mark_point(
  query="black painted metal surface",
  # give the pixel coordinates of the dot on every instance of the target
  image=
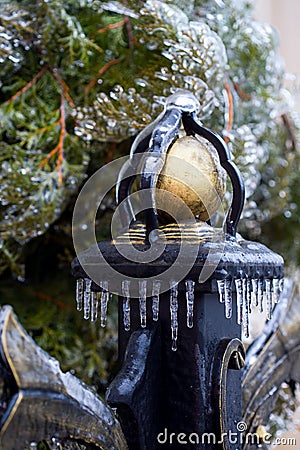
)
(163, 395)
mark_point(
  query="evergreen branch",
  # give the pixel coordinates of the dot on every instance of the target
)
(229, 109)
(131, 39)
(111, 26)
(241, 93)
(29, 84)
(126, 21)
(101, 72)
(41, 130)
(65, 88)
(59, 148)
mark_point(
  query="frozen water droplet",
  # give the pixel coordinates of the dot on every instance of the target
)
(79, 293)
(190, 296)
(94, 306)
(268, 287)
(276, 290)
(126, 304)
(221, 290)
(239, 300)
(155, 299)
(103, 303)
(173, 311)
(245, 308)
(228, 299)
(87, 298)
(254, 283)
(142, 302)
(260, 294)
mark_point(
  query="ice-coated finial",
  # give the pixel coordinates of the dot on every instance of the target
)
(183, 100)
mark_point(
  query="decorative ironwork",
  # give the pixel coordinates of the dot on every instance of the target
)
(40, 402)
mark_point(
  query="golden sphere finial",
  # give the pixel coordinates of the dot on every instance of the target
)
(192, 171)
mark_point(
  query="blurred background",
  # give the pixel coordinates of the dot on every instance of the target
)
(284, 15)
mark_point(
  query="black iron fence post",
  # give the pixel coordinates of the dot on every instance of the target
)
(180, 351)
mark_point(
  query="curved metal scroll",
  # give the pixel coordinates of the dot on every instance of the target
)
(154, 142)
(230, 354)
(46, 402)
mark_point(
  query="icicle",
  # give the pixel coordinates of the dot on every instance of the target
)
(173, 311)
(155, 299)
(221, 290)
(94, 306)
(142, 302)
(268, 284)
(254, 283)
(228, 299)
(189, 292)
(79, 293)
(260, 294)
(276, 290)
(245, 308)
(249, 297)
(87, 298)
(126, 304)
(239, 300)
(103, 303)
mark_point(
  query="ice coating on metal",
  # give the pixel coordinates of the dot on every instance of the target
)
(183, 100)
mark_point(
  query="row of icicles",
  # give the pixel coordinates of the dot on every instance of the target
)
(258, 291)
